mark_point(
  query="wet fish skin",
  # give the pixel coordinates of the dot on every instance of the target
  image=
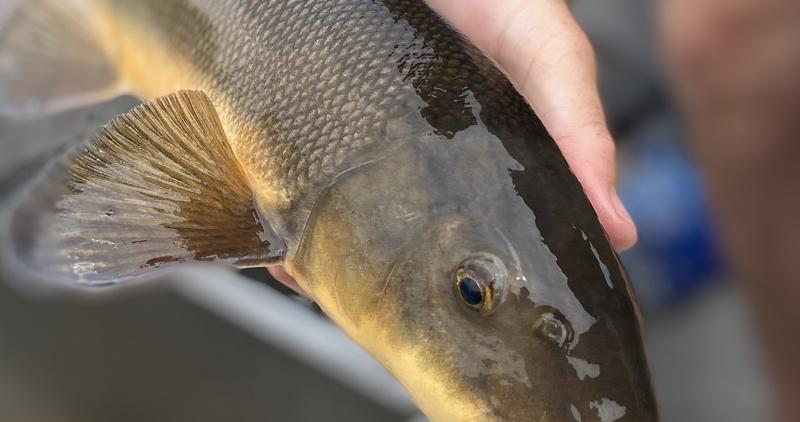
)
(387, 154)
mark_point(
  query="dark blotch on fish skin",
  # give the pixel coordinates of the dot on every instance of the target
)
(441, 79)
(158, 262)
(546, 185)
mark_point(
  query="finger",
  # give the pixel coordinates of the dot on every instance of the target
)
(550, 60)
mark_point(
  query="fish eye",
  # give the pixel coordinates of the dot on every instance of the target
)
(470, 290)
(480, 282)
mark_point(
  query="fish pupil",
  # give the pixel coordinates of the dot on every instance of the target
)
(470, 291)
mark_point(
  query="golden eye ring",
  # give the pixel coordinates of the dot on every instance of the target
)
(480, 282)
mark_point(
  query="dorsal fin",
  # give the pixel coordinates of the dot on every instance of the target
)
(156, 186)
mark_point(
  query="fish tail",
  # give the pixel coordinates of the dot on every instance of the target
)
(52, 57)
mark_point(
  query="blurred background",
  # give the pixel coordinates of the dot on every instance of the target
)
(211, 345)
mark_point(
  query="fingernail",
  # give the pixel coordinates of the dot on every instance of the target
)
(626, 235)
(619, 207)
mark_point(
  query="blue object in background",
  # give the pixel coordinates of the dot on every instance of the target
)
(662, 189)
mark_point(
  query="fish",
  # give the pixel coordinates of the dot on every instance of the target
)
(364, 147)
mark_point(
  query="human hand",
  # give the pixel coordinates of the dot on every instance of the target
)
(538, 44)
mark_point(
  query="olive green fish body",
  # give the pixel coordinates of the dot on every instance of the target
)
(305, 90)
(413, 192)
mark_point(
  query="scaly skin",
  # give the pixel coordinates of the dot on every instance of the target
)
(385, 151)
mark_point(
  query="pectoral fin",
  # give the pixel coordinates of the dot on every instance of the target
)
(52, 58)
(157, 186)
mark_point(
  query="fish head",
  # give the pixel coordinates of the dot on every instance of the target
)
(434, 262)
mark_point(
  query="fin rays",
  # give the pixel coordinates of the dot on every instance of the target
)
(156, 186)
